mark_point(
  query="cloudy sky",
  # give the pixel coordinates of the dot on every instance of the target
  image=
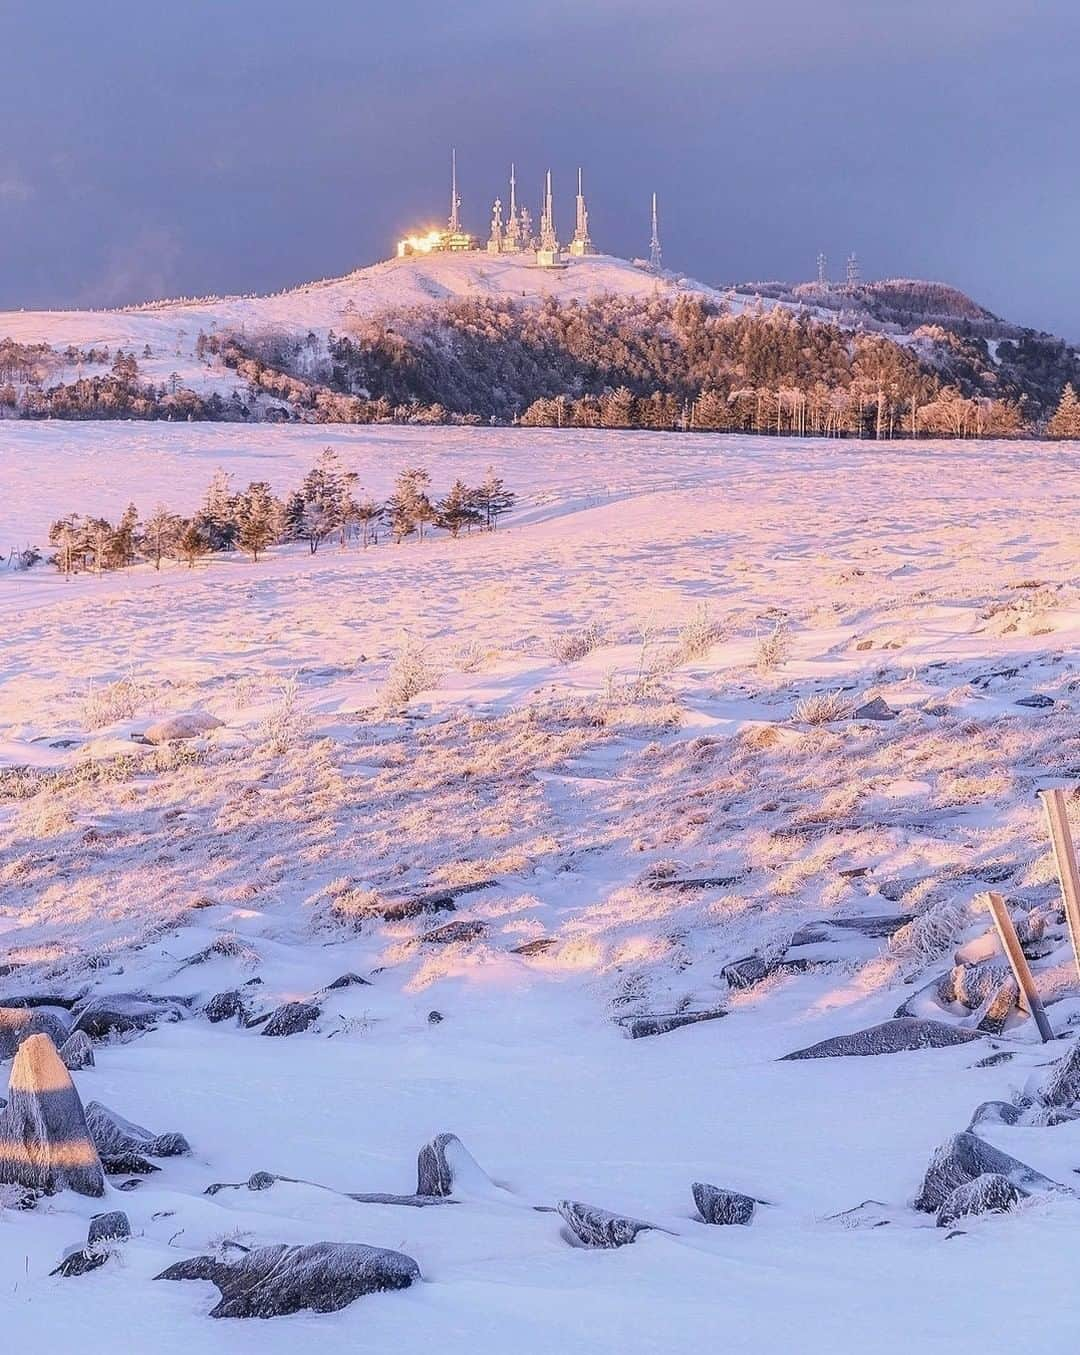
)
(242, 145)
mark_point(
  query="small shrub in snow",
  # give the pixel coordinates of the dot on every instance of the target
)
(287, 722)
(106, 703)
(410, 674)
(820, 708)
(930, 934)
(570, 646)
(773, 649)
(696, 638)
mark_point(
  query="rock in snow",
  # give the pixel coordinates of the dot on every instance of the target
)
(191, 725)
(987, 1194)
(17, 1023)
(891, 1037)
(722, 1206)
(44, 1141)
(995, 1112)
(273, 1281)
(963, 1159)
(110, 1227)
(228, 1006)
(77, 1051)
(877, 709)
(599, 1227)
(1062, 1086)
(445, 1166)
(291, 1018)
(114, 1136)
(119, 1013)
(641, 1026)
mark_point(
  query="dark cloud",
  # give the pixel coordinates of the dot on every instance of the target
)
(262, 143)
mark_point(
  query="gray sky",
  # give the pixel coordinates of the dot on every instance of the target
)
(246, 145)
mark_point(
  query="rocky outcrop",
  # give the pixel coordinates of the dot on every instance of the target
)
(291, 1018)
(963, 1159)
(716, 1205)
(18, 1023)
(638, 1027)
(891, 1037)
(44, 1140)
(121, 1013)
(275, 1281)
(995, 1112)
(594, 1227)
(227, 1006)
(1061, 1089)
(987, 1194)
(452, 933)
(115, 1136)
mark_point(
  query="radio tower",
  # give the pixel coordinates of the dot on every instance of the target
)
(581, 244)
(453, 226)
(822, 267)
(512, 240)
(656, 257)
(854, 277)
(547, 255)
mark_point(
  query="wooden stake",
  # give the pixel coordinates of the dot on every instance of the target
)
(1065, 856)
(1010, 944)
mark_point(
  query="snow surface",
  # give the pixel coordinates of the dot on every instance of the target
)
(941, 577)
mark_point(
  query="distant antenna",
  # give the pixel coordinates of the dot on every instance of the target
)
(822, 270)
(656, 257)
(512, 237)
(454, 224)
(854, 277)
(581, 244)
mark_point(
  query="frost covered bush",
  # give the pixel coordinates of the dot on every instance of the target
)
(106, 703)
(930, 934)
(772, 649)
(411, 673)
(287, 722)
(820, 708)
(570, 646)
(697, 636)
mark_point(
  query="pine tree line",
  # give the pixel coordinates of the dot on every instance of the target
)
(328, 504)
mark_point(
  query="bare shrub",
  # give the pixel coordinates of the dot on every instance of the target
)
(773, 649)
(286, 722)
(697, 636)
(930, 934)
(106, 703)
(411, 673)
(570, 646)
(820, 708)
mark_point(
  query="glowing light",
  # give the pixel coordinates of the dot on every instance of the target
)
(420, 244)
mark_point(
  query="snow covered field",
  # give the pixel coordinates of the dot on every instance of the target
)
(617, 698)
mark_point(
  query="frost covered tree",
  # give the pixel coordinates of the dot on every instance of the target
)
(457, 509)
(492, 499)
(369, 514)
(409, 507)
(159, 535)
(191, 543)
(216, 519)
(1065, 422)
(258, 519)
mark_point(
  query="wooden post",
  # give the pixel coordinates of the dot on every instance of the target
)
(1065, 856)
(1010, 944)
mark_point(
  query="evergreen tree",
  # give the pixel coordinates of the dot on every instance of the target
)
(457, 509)
(369, 515)
(492, 499)
(258, 519)
(217, 518)
(409, 507)
(191, 544)
(159, 535)
(1065, 422)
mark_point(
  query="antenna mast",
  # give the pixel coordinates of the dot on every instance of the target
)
(656, 257)
(454, 224)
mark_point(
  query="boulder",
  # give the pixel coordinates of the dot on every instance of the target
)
(897, 1036)
(639, 1027)
(227, 1006)
(291, 1018)
(119, 1013)
(963, 1159)
(114, 1136)
(349, 980)
(110, 1227)
(995, 1112)
(191, 725)
(1037, 701)
(987, 1194)
(445, 1167)
(1061, 1089)
(17, 1023)
(77, 1051)
(451, 932)
(44, 1141)
(595, 1227)
(127, 1164)
(722, 1206)
(274, 1281)
(877, 709)
(79, 1260)
(746, 972)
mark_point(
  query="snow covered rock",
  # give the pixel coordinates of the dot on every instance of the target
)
(877, 709)
(227, 1006)
(445, 1166)
(641, 1026)
(963, 1159)
(995, 1112)
(274, 1281)
(127, 1164)
(110, 1227)
(77, 1051)
(746, 972)
(44, 1141)
(451, 932)
(18, 1023)
(113, 1135)
(722, 1206)
(595, 1227)
(987, 1194)
(191, 725)
(119, 1013)
(105, 1229)
(291, 1018)
(890, 1037)
(347, 981)
(1061, 1088)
